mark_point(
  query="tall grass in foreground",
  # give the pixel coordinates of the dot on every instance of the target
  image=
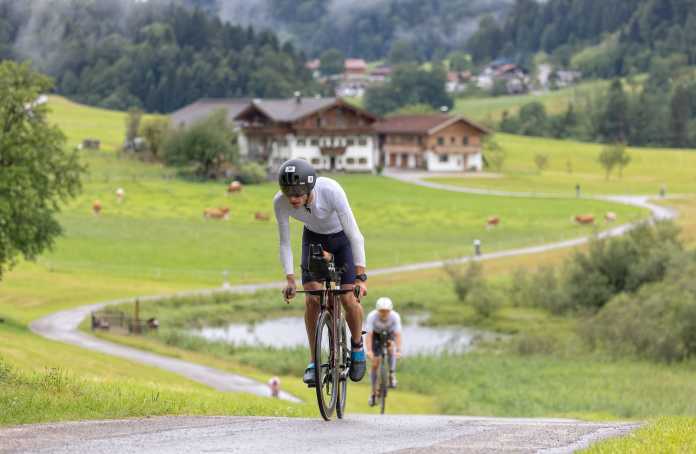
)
(58, 395)
(669, 434)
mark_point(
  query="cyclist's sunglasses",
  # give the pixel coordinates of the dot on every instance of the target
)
(294, 191)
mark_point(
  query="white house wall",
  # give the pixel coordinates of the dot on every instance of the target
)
(350, 161)
(456, 162)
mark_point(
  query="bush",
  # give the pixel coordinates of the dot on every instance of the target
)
(472, 290)
(483, 300)
(658, 322)
(251, 173)
(465, 279)
(206, 145)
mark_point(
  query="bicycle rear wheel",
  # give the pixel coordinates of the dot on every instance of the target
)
(325, 370)
(343, 362)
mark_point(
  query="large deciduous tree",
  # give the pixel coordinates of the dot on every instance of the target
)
(37, 173)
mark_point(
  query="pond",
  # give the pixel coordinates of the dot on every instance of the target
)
(290, 332)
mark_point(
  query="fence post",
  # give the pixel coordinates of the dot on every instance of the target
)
(136, 317)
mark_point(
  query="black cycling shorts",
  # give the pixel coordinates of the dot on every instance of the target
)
(377, 343)
(336, 243)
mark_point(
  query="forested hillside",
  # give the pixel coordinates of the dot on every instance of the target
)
(618, 36)
(154, 55)
(368, 29)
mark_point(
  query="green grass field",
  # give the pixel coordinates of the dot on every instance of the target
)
(159, 233)
(490, 109)
(650, 168)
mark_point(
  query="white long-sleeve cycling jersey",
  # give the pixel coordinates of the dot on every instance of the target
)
(328, 212)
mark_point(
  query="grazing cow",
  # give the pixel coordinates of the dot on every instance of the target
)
(584, 219)
(153, 323)
(493, 221)
(235, 186)
(610, 217)
(216, 213)
(259, 216)
(120, 194)
(96, 207)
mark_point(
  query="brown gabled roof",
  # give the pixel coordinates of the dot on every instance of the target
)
(290, 110)
(411, 123)
(287, 110)
(420, 124)
(355, 64)
(204, 107)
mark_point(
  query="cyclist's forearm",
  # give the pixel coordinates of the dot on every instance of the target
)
(359, 269)
(368, 341)
(290, 278)
(398, 341)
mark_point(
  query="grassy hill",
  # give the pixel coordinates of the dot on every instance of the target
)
(489, 110)
(572, 163)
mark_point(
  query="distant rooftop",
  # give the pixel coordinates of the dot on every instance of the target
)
(202, 108)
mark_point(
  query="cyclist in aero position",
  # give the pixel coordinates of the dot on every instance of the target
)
(322, 206)
(383, 318)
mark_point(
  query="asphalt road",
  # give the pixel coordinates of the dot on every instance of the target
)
(356, 434)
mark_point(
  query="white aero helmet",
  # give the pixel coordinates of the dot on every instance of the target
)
(384, 304)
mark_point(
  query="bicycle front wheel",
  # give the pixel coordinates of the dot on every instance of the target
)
(343, 362)
(383, 383)
(325, 370)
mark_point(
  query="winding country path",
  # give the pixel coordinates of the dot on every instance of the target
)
(63, 326)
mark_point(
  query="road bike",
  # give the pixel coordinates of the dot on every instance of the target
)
(383, 373)
(331, 348)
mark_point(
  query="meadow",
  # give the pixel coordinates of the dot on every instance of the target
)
(489, 110)
(159, 233)
(571, 163)
(156, 242)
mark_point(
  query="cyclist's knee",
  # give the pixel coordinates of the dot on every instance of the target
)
(349, 300)
(312, 302)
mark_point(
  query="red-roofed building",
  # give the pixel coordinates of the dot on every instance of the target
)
(436, 142)
(355, 67)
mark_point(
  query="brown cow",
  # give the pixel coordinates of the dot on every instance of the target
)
(235, 186)
(584, 219)
(96, 207)
(493, 221)
(216, 213)
(610, 217)
(259, 216)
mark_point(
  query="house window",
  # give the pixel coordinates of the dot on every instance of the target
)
(453, 140)
(319, 122)
(440, 140)
(444, 158)
(301, 142)
(465, 140)
(340, 122)
(283, 142)
(350, 142)
(316, 161)
(350, 160)
(420, 140)
(362, 161)
(315, 142)
(362, 141)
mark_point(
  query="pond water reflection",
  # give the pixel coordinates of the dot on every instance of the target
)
(290, 332)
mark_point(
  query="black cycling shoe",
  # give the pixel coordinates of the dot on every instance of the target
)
(357, 363)
(308, 376)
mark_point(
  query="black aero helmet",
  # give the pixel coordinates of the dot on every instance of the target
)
(296, 177)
